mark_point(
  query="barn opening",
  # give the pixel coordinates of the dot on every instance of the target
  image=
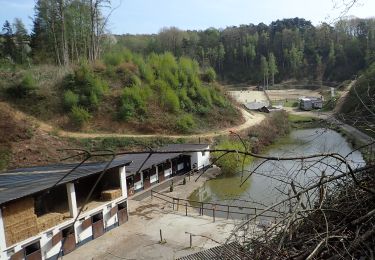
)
(108, 188)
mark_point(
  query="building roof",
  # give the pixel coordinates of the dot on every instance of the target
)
(184, 147)
(18, 183)
(138, 159)
(22, 182)
(255, 105)
(228, 251)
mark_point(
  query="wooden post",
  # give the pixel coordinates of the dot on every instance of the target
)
(255, 219)
(191, 240)
(213, 211)
(178, 203)
(161, 237)
(185, 209)
(228, 212)
(201, 208)
(151, 194)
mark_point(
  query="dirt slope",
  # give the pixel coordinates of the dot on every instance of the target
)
(24, 143)
(250, 120)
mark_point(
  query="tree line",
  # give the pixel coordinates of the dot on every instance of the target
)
(68, 31)
(289, 48)
(64, 32)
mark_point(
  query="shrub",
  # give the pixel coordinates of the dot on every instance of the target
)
(26, 87)
(112, 59)
(231, 162)
(185, 123)
(87, 86)
(70, 99)
(171, 100)
(133, 102)
(80, 115)
(209, 75)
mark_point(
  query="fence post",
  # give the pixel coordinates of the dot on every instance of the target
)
(185, 208)
(191, 240)
(255, 219)
(213, 211)
(161, 237)
(151, 194)
(228, 212)
(201, 208)
(178, 202)
(173, 203)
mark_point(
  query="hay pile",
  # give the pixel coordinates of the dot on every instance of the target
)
(49, 220)
(20, 221)
(111, 194)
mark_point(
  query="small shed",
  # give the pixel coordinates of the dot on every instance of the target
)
(258, 106)
(306, 104)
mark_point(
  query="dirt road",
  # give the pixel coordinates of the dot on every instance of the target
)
(250, 120)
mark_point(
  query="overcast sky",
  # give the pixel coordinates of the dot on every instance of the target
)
(148, 16)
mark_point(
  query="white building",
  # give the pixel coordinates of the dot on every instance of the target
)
(39, 205)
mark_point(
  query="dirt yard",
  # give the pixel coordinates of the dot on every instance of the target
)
(139, 238)
(245, 96)
(292, 94)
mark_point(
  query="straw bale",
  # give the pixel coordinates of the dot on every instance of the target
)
(49, 220)
(111, 194)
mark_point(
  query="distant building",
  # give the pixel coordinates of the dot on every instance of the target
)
(310, 103)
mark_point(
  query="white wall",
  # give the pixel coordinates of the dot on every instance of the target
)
(199, 159)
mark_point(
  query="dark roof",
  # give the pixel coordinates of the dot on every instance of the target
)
(229, 251)
(184, 147)
(138, 159)
(22, 182)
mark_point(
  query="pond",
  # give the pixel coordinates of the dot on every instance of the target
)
(271, 181)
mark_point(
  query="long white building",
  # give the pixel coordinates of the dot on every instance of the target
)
(39, 205)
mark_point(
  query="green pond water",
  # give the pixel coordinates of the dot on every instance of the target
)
(272, 180)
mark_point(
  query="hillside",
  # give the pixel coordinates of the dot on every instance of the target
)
(22, 143)
(358, 108)
(123, 93)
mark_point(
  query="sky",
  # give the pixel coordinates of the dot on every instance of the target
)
(149, 16)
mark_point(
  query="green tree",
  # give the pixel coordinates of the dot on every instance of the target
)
(264, 68)
(272, 67)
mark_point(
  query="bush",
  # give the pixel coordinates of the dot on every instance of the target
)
(87, 86)
(232, 162)
(133, 102)
(112, 59)
(26, 87)
(209, 75)
(70, 99)
(186, 123)
(171, 100)
(80, 116)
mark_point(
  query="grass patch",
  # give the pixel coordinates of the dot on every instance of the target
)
(293, 118)
(125, 143)
(286, 102)
(4, 157)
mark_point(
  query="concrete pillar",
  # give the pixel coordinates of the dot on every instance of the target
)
(72, 199)
(2, 237)
(122, 176)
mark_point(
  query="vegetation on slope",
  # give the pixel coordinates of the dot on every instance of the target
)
(256, 140)
(358, 108)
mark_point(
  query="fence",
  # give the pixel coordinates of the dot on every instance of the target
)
(226, 211)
